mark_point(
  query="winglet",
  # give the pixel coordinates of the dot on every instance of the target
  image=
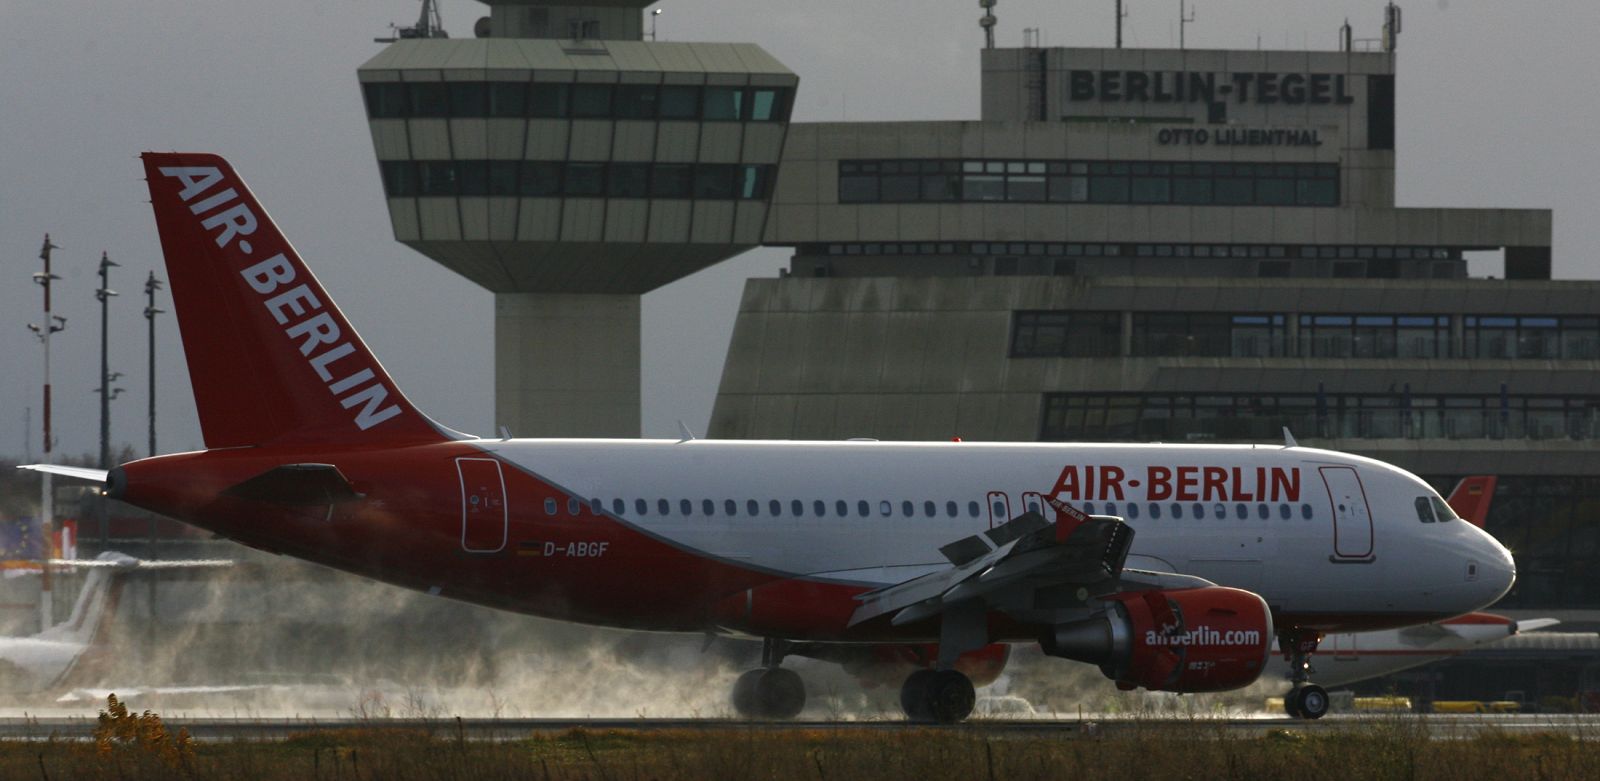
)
(1288, 439)
(75, 472)
(1533, 624)
(688, 435)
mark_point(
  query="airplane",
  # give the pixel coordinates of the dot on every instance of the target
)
(50, 658)
(816, 548)
(1350, 657)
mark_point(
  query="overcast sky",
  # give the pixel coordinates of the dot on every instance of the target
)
(1496, 107)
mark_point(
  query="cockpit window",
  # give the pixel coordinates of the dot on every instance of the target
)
(1424, 510)
(1442, 509)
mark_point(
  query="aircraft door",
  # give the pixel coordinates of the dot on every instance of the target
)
(1344, 647)
(1352, 516)
(485, 519)
(999, 508)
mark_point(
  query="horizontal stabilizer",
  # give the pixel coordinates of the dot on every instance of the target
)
(75, 472)
(1533, 624)
(301, 485)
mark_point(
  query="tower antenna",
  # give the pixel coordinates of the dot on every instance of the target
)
(987, 22)
(1122, 13)
(1185, 18)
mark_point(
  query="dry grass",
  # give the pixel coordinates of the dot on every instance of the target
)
(138, 746)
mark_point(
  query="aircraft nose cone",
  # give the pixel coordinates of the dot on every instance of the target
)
(1491, 569)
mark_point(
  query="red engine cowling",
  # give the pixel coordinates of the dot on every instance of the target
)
(1185, 640)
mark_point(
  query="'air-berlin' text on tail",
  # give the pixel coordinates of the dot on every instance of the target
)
(271, 359)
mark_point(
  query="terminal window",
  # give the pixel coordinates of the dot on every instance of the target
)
(1102, 181)
(555, 100)
(1141, 417)
(547, 179)
(1067, 334)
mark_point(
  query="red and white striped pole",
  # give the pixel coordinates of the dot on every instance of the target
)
(50, 325)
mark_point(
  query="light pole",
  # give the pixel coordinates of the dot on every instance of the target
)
(52, 324)
(653, 15)
(104, 294)
(151, 285)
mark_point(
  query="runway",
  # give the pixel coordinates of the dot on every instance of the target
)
(1437, 726)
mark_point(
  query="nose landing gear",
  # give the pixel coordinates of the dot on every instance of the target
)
(770, 691)
(1305, 699)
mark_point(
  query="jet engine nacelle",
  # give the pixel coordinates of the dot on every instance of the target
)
(1184, 640)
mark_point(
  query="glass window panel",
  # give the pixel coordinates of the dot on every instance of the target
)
(983, 188)
(678, 102)
(670, 180)
(540, 179)
(1108, 189)
(591, 100)
(399, 178)
(436, 178)
(714, 181)
(940, 187)
(547, 100)
(900, 188)
(473, 177)
(429, 99)
(628, 180)
(1234, 191)
(585, 179)
(1152, 189)
(1275, 192)
(1071, 189)
(763, 104)
(385, 99)
(724, 103)
(635, 101)
(508, 99)
(858, 189)
(468, 98)
(1028, 189)
(753, 182)
(1317, 192)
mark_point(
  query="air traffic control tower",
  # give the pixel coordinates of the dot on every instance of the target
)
(568, 165)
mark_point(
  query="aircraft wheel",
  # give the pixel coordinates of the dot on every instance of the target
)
(780, 694)
(950, 697)
(914, 695)
(744, 694)
(1291, 704)
(1312, 701)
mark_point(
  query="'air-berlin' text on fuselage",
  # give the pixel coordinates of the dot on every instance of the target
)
(1087, 483)
(312, 326)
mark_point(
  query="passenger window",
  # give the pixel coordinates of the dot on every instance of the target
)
(820, 507)
(640, 506)
(1262, 512)
(574, 506)
(549, 507)
(1443, 509)
(1220, 510)
(1240, 511)
(1033, 505)
(708, 508)
(1424, 509)
(1177, 511)
(618, 506)
(1283, 511)
(775, 506)
(797, 507)
(1305, 511)
(1155, 511)
(842, 508)
(1088, 508)
(972, 509)
(752, 508)
(950, 509)
(929, 509)
(863, 509)
(906, 509)
(685, 507)
(1133, 509)
(1111, 508)
(730, 508)
(596, 506)
(1199, 510)
(885, 509)
(999, 509)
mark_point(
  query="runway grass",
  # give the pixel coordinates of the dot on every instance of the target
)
(139, 746)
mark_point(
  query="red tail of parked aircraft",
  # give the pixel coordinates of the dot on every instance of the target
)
(1471, 498)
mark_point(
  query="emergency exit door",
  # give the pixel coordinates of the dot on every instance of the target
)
(1352, 516)
(485, 519)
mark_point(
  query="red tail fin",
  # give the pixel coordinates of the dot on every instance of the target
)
(1471, 497)
(270, 357)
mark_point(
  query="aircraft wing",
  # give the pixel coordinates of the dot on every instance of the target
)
(77, 472)
(1020, 557)
(1532, 624)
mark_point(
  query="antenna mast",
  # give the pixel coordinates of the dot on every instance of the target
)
(1185, 18)
(1121, 14)
(1391, 27)
(987, 22)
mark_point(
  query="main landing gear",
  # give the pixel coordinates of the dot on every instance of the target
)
(940, 696)
(1305, 700)
(770, 692)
